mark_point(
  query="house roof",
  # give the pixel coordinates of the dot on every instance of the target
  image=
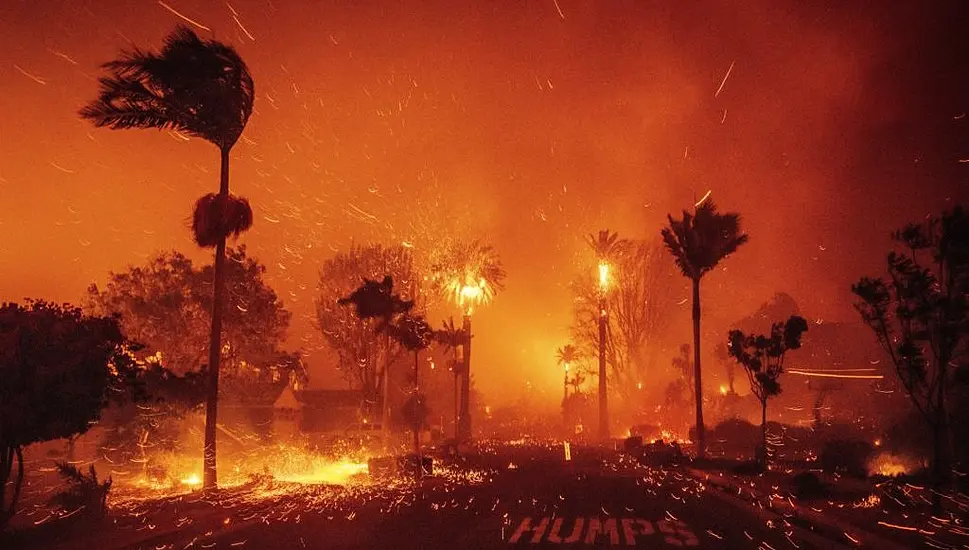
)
(287, 399)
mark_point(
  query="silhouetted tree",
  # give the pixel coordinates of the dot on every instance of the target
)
(376, 301)
(780, 306)
(201, 88)
(641, 306)
(683, 365)
(921, 318)
(59, 369)
(452, 337)
(762, 356)
(698, 242)
(166, 305)
(680, 390)
(413, 332)
(362, 356)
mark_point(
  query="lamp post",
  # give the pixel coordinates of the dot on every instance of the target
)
(603, 317)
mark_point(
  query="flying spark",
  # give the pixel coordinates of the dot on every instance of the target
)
(724, 81)
(176, 13)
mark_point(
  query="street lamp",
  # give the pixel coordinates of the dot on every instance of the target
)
(603, 318)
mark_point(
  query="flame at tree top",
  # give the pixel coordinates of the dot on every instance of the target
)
(469, 275)
(603, 275)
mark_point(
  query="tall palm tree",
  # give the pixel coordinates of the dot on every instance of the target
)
(698, 242)
(607, 247)
(201, 88)
(469, 275)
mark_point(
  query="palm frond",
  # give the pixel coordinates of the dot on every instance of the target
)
(199, 87)
(699, 241)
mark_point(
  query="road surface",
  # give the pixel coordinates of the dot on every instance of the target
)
(514, 497)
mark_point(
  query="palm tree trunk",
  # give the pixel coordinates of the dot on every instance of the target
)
(417, 393)
(464, 422)
(210, 477)
(457, 399)
(603, 395)
(385, 405)
(701, 447)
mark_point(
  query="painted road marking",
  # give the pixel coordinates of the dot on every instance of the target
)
(615, 530)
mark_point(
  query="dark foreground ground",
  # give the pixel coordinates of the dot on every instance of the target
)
(499, 497)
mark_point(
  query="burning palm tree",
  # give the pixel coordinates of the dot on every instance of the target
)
(607, 247)
(470, 275)
(201, 88)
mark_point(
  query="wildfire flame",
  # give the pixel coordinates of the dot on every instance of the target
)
(891, 465)
(603, 275)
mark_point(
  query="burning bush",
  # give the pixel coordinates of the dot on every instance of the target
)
(889, 464)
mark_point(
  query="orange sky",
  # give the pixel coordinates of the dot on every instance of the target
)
(508, 121)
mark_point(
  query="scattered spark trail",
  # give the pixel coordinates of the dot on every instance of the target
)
(705, 197)
(725, 77)
(556, 2)
(176, 13)
(61, 168)
(33, 77)
(63, 56)
(821, 374)
(235, 17)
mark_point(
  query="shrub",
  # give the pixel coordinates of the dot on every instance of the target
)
(846, 456)
(736, 435)
(807, 485)
(83, 492)
(748, 468)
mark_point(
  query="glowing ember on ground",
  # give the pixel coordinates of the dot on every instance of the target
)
(193, 480)
(322, 471)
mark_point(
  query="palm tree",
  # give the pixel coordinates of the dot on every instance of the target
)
(201, 88)
(413, 332)
(698, 242)
(566, 356)
(452, 337)
(607, 247)
(469, 275)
